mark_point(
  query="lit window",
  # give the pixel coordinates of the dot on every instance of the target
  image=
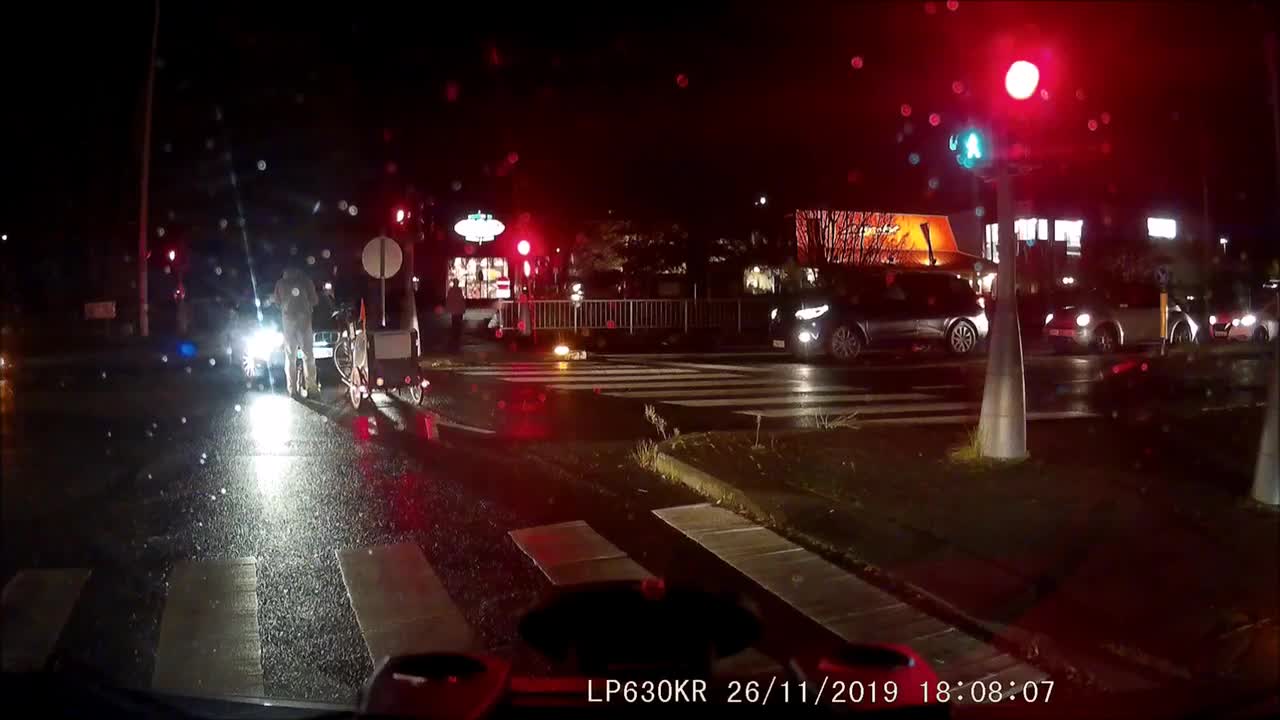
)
(1166, 228)
(1069, 232)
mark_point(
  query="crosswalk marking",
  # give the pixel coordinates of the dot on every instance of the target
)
(506, 371)
(793, 398)
(589, 377)
(885, 409)
(693, 381)
(849, 607)
(715, 366)
(570, 372)
(966, 419)
(33, 610)
(399, 602)
(721, 389)
(209, 640)
(572, 552)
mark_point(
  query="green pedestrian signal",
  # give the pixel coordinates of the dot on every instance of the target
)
(970, 148)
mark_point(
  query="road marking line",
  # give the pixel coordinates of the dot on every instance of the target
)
(209, 640)
(937, 387)
(967, 419)
(713, 366)
(588, 378)
(564, 367)
(34, 608)
(719, 390)
(572, 552)
(695, 355)
(886, 409)
(646, 383)
(788, 399)
(601, 374)
(399, 602)
(844, 604)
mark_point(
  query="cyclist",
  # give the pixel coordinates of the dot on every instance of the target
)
(297, 298)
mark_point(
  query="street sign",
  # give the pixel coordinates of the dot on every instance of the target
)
(102, 310)
(381, 257)
(504, 288)
(1163, 275)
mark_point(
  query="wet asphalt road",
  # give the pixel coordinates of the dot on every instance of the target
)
(132, 474)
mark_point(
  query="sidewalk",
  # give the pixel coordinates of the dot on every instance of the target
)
(1125, 555)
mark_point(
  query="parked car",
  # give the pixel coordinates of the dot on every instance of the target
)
(906, 309)
(1105, 320)
(1242, 324)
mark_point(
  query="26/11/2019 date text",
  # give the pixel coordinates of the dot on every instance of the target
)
(855, 692)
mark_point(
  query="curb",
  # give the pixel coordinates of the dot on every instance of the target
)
(1021, 647)
(706, 484)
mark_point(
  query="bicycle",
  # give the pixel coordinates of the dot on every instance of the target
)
(351, 357)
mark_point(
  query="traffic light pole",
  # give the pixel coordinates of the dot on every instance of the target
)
(144, 312)
(1002, 426)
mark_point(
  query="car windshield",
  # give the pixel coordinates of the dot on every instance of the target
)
(331, 335)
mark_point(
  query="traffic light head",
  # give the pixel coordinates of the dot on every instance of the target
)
(173, 255)
(970, 148)
(522, 247)
(400, 215)
(1021, 80)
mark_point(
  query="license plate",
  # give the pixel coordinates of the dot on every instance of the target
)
(780, 343)
(1062, 333)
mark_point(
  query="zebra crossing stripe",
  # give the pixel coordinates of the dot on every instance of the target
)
(714, 366)
(886, 409)
(593, 380)
(209, 641)
(399, 602)
(649, 382)
(34, 608)
(968, 419)
(719, 389)
(572, 552)
(562, 367)
(793, 398)
(849, 607)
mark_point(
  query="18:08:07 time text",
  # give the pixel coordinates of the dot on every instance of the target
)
(885, 693)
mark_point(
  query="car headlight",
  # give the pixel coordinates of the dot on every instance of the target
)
(1249, 320)
(263, 342)
(1213, 319)
(773, 313)
(806, 337)
(812, 313)
(1083, 319)
(1048, 318)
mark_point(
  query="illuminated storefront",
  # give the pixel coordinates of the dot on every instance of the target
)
(479, 276)
(1033, 230)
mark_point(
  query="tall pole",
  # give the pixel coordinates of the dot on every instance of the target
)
(1002, 427)
(1266, 471)
(144, 324)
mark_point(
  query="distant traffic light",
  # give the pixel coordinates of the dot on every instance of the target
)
(1021, 80)
(970, 148)
(173, 255)
(522, 247)
(400, 216)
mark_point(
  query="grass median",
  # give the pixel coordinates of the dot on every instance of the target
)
(1136, 541)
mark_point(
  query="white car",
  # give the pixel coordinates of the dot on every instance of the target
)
(1256, 326)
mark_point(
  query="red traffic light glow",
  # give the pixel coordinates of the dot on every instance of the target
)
(173, 255)
(1021, 80)
(400, 215)
(522, 247)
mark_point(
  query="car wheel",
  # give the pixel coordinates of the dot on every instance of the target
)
(1181, 334)
(844, 344)
(962, 338)
(1261, 335)
(1105, 339)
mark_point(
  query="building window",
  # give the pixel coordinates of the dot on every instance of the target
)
(478, 276)
(1069, 232)
(990, 245)
(1165, 228)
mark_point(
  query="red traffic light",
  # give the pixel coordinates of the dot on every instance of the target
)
(1021, 80)
(173, 255)
(401, 215)
(522, 247)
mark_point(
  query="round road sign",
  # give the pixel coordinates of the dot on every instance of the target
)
(381, 257)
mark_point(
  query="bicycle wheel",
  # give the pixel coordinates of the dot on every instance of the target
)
(342, 359)
(355, 391)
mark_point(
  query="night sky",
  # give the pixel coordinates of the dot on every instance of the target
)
(567, 113)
